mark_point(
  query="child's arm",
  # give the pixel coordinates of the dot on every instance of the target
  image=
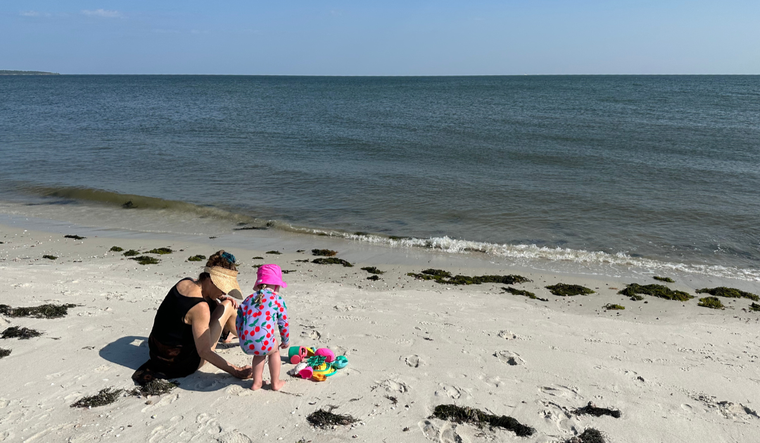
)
(283, 323)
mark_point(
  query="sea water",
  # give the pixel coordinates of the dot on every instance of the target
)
(660, 172)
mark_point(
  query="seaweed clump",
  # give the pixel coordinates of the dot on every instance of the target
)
(145, 260)
(660, 291)
(711, 302)
(459, 414)
(131, 253)
(445, 278)
(754, 307)
(154, 387)
(261, 258)
(160, 251)
(326, 419)
(41, 311)
(198, 257)
(723, 291)
(324, 252)
(4, 352)
(115, 249)
(564, 289)
(372, 270)
(273, 252)
(104, 397)
(528, 294)
(373, 277)
(50, 257)
(590, 435)
(613, 307)
(665, 279)
(75, 237)
(332, 261)
(591, 409)
(20, 333)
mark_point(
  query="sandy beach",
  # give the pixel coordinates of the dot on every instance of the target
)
(677, 372)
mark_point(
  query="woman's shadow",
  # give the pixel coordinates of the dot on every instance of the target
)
(132, 351)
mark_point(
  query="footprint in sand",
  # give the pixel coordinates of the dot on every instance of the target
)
(448, 391)
(560, 391)
(444, 434)
(313, 334)
(413, 361)
(392, 386)
(509, 357)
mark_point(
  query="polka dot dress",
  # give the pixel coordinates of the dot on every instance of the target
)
(256, 320)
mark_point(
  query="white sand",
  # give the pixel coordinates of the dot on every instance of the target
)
(676, 371)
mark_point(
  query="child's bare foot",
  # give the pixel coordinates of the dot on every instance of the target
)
(277, 384)
(256, 386)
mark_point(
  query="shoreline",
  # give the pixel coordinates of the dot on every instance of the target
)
(666, 365)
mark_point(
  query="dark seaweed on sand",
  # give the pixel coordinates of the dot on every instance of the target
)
(373, 278)
(251, 228)
(372, 270)
(564, 289)
(104, 397)
(20, 333)
(131, 253)
(754, 307)
(591, 409)
(75, 237)
(154, 387)
(323, 252)
(326, 419)
(41, 311)
(332, 261)
(261, 258)
(515, 291)
(711, 302)
(660, 291)
(4, 352)
(613, 307)
(198, 257)
(590, 435)
(728, 293)
(146, 260)
(477, 417)
(288, 271)
(273, 252)
(302, 261)
(445, 278)
(160, 251)
(115, 249)
(50, 257)
(665, 279)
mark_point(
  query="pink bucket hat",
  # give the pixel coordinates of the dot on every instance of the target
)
(270, 275)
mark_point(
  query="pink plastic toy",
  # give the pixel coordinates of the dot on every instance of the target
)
(328, 354)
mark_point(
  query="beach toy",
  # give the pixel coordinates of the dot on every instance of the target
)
(295, 372)
(324, 371)
(340, 362)
(306, 372)
(328, 354)
(310, 352)
(296, 354)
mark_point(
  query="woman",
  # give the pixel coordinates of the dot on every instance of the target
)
(190, 321)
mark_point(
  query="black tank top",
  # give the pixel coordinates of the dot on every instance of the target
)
(169, 326)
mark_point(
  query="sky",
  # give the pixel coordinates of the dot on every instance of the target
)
(296, 37)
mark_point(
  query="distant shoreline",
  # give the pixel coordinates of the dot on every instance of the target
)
(9, 72)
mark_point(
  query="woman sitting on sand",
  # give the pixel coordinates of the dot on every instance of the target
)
(190, 321)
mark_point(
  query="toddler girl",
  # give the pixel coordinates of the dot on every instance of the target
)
(255, 322)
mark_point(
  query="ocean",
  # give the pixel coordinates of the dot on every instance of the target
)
(655, 172)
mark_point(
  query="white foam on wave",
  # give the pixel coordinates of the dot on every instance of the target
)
(532, 252)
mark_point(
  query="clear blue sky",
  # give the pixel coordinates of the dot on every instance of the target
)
(296, 37)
